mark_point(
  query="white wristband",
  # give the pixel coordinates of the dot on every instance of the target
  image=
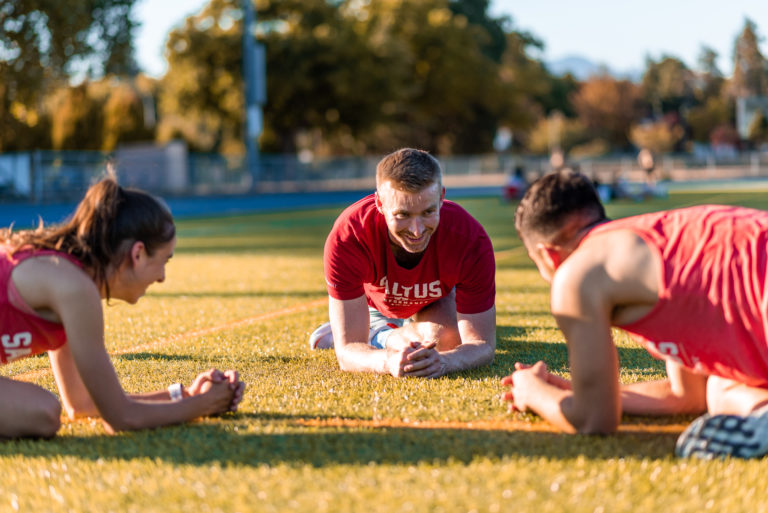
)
(176, 392)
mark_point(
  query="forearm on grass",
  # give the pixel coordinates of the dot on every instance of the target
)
(470, 354)
(658, 398)
(361, 357)
(478, 341)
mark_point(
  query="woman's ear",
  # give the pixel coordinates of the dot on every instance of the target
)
(137, 252)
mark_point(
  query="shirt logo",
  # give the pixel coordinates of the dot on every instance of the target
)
(17, 346)
(670, 351)
(416, 294)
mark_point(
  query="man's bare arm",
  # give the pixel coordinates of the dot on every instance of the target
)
(581, 302)
(350, 324)
(478, 342)
(682, 392)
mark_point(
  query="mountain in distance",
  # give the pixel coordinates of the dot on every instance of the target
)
(583, 68)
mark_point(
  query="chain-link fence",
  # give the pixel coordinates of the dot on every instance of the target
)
(48, 176)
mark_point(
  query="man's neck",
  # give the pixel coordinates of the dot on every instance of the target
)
(404, 258)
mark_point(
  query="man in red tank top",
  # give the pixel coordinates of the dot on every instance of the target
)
(689, 285)
(407, 253)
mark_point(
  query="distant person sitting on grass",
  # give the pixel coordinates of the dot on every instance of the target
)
(406, 253)
(688, 284)
(516, 184)
(52, 281)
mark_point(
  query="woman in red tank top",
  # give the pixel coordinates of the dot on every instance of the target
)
(115, 246)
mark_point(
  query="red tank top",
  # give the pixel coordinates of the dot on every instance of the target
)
(711, 313)
(22, 331)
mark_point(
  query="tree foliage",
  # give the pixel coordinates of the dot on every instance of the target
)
(345, 77)
(667, 85)
(332, 76)
(556, 131)
(200, 97)
(750, 71)
(44, 42)
(98, 115)
(704, 118)
(658, 137)
(52, 39)
(355, 77)
(608, 107)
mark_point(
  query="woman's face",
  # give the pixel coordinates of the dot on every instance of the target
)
(140, 270)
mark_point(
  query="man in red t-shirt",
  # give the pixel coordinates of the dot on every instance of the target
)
(410, 278)
(688, 284)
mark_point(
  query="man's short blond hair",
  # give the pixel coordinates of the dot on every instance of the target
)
(409, 170)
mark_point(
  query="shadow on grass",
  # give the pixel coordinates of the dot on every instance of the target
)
(317, 294)
(311, 248)
(205, 444)
(517, 310)
(156, 356)
(213, 359)
(555, 355)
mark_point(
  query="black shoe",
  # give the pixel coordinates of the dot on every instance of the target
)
(717, 436)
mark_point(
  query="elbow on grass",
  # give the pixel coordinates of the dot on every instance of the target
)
(117, 423)
(489, 357)
(602, 426)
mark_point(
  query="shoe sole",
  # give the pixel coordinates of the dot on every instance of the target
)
(319, 333)
(713, 436)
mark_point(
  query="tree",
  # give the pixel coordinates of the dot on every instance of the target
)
(556, 131)
(45, 41)
(77, 119)
(448, 96)
(490, 32)
(710, 79)
(333, 75)
(348, 77)
(659, 137)
(703, 119)
(345, 76)
(608, 107)
(528, 86)
(750, 76)
(123, 116)
(667, 85)
(200, 97)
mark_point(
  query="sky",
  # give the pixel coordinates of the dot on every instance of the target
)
(616, 33)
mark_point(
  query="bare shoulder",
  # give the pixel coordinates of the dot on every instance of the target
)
(628, 259)
(42, 280)
(614, 268)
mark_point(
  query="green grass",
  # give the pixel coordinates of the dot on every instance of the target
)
(439, 445)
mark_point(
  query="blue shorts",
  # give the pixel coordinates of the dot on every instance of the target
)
(381, 328)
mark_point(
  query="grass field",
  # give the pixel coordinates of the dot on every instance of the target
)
(245, 292)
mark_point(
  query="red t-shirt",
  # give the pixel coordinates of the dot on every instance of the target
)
(358, 260)
(22, 331)
(712, 312)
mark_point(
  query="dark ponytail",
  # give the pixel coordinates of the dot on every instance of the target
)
(103, 228)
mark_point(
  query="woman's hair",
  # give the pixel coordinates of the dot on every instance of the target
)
(103, 228)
